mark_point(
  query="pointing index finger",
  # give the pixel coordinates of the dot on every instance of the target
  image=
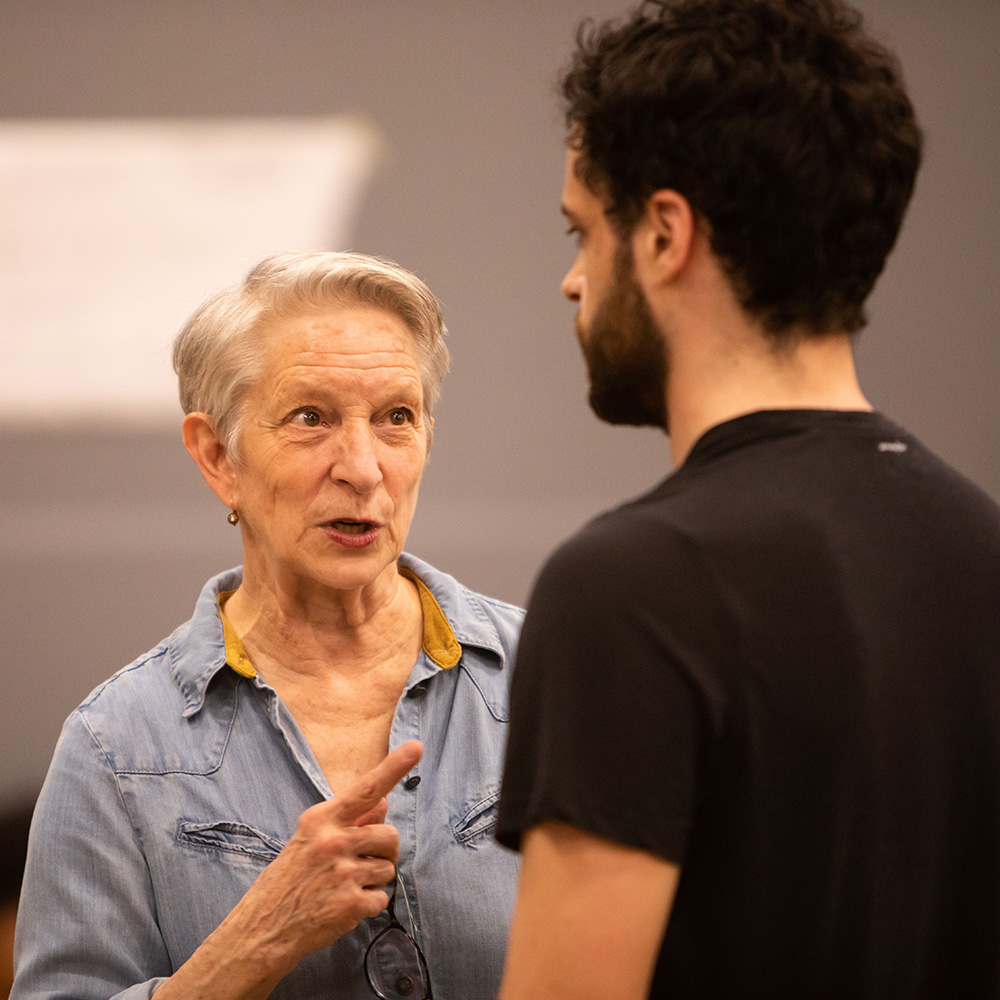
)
(371, 788)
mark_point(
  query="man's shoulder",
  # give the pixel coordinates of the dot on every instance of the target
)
(629, 546)
(663, 515)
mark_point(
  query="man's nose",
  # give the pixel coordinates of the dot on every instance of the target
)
(572, 284)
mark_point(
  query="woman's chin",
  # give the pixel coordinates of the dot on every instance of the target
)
(357, 572)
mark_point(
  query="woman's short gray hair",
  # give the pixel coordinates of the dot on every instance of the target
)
(219, 355)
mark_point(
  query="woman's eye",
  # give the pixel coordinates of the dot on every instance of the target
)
(400, 416)
(308, 418)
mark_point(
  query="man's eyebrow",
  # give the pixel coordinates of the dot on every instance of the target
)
(569, 213)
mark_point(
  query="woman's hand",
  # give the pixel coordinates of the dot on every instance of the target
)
(326, 880)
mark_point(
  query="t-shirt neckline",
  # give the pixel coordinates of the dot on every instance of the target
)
(763, 424)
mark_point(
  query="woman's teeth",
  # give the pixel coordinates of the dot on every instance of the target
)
(351, 527)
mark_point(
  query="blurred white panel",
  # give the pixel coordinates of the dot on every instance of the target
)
(113, 231)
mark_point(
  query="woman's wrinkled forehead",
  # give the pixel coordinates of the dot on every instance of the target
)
(355, 345)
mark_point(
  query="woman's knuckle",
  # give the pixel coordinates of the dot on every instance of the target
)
(366, 789)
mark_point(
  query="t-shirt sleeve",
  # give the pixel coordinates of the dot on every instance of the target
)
(615, 698)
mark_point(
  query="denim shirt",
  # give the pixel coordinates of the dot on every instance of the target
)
(177, 781)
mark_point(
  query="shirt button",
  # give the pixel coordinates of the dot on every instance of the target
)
(411, 782)
(418, 690)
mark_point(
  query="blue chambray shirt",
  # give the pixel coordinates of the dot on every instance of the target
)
(177, 781)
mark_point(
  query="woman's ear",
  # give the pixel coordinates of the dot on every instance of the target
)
(662, 240)
(209, 454)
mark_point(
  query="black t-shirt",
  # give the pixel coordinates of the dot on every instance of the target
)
(781, 670)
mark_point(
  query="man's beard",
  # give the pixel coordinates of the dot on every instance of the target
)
(625, 353)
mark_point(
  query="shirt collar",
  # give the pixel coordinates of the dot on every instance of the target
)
(197, 650)
(453, 618)
(462, 608)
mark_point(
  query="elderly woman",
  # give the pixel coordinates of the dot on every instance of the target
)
(213, 824)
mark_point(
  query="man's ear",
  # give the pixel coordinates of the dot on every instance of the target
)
(662, 239)
(209, 454)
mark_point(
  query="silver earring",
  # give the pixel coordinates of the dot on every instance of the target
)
(234, 518)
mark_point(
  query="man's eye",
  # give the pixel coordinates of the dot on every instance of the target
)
(400, 416)
(574, 231)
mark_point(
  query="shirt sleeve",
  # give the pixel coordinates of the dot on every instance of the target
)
(86, 926)
(615, 700)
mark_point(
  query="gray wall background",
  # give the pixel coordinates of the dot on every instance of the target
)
(107, 532)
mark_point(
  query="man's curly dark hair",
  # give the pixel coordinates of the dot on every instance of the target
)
(782, 122)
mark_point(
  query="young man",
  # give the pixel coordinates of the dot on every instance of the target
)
(755, 733)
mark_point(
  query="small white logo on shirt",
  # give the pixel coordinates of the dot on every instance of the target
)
(898, 447)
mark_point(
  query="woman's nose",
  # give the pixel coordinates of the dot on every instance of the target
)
(357, 463)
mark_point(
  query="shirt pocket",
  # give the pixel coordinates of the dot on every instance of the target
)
(229, 838)
(475, 827)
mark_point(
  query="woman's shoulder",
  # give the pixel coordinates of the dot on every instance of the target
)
(169, 680)
(132, 687)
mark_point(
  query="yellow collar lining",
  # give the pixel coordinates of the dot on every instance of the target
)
(236, 655)
(439, 642)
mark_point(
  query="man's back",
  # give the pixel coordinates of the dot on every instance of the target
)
(797, 633)
(755, 725)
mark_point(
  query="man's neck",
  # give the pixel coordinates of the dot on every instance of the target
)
(721, 362)
(709, 387)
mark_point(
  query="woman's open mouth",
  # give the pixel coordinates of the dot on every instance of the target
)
(352, 527)
(352, 534)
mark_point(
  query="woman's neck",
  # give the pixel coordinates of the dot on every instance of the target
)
(314, 630)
